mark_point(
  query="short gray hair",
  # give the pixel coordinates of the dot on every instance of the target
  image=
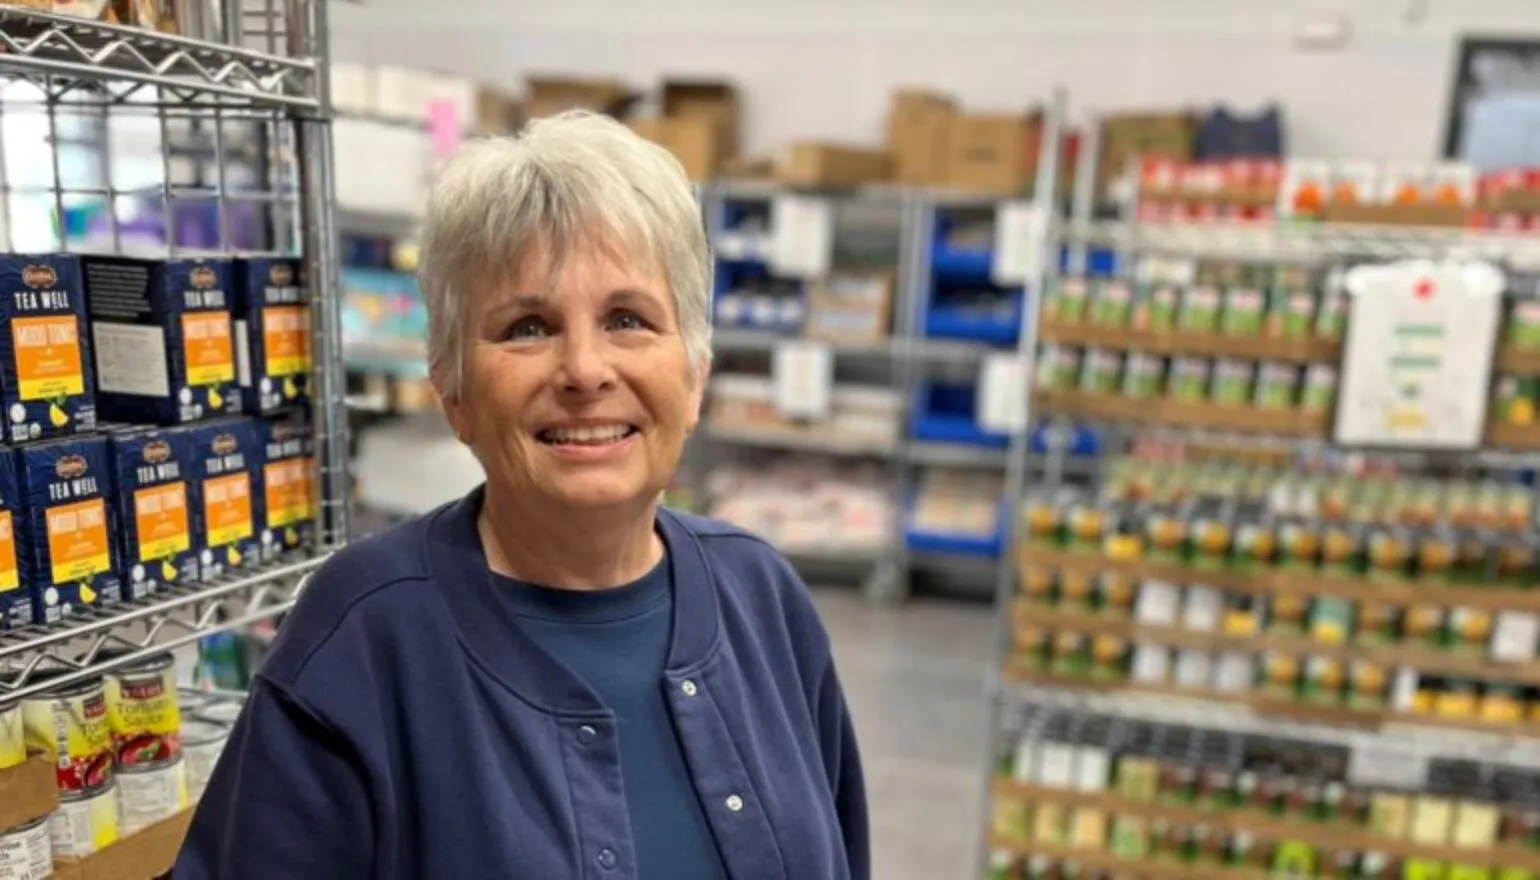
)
(568, 180)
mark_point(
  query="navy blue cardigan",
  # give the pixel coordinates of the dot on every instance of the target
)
(403, 726)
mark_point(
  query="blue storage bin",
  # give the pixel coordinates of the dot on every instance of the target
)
(1001, 326)
(948, 413)
(955, 273)
(945, 544)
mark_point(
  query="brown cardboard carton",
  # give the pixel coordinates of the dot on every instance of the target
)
(820, 164)
(497, 112)
(549, 95)
(918, 124)
(850, 307)
(991, 153)
(27, 792)
(1127, 138)
(694, 140)
(144, 855)
(710, 99)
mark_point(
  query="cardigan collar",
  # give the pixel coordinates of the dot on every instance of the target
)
(459, 567)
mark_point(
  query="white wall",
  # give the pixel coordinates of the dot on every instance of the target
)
(823, 68)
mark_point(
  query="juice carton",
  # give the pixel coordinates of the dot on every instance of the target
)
(45, 373)
(161, 333)
(152, 469)
(15, 599)
(65, 542)
(223, 453)
(288, 513)
(272, 334)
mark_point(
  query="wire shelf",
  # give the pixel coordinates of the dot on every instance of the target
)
(60, 53)
(34, 659)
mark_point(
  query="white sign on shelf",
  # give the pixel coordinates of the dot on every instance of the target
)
(803, 376)
(1421, 336)
(1002, 394)
(1018, 253)
(801, 236)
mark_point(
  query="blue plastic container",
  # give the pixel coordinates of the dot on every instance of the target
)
(945, 544)
(948, 413)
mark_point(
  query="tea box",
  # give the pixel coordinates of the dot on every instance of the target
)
(272, 334)
(224, 452)
(287, 505)
(45, 364)
(161, 330)
(152, 469)
(15, 598)
(65, 545)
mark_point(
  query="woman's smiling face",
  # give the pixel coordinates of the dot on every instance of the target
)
(576, 389)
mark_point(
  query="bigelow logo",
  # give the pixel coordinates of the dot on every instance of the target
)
(39, 276)
(70, 467)
(224, 444)
(157, 451)
(202, 277)
(280, 275)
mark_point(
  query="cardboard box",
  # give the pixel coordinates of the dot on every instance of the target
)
(549, 95)
(919, 123)
(68, 558)
(695, 141)
(1126, 138)
(157, 544)
(15, 598)
(497, 112)
(27, 792)
(287, 511)
(713, 100)
(272, 334)
(991, 154)
(143, 855)
(820, 164)
(224, 495)
(46, 387)
(850, 307)
(161, 332)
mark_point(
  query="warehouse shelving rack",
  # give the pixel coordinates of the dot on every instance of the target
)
(269, 71)
(1016, 698)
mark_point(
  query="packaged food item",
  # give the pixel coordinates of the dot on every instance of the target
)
(1232, 381)
(1067, 301)
(65, 547)
(1319, 389)
(1077, 589)
(1331, 620)
(1275, 385)
(150, 791)
(272, 333)
(46, 384)
(1515, 399)
(1331, 310)
(1116, 594)
(1155, 309)
(69, 726)
(1071, 654)
(1522, 329)
(1199, 310)
(1036, 583)
(224, 453)
(1100, 371)
(85, 824)
(1280, 674)
(26, 852)
(143, 714)
(1108, 656)
(1031, 644)
(1059, 368)
(1291, 310)
(16, 607)
(1189, 380)
(1368, 685)
(1324, 680)
(152, 469)
(13, 743)
(161, 329)
(1112, 305)
(1244, 309)
(1143, 375)
(286, 513)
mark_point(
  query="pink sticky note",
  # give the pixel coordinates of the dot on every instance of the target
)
(443, 127)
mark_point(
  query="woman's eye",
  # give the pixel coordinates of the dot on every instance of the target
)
(627, 321)
(526, 328)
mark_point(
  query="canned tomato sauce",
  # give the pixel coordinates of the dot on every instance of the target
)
(202, 743)
(25, 852)
(149, 792)
(13, 738)
(84, 824)
(69, 725)
(142, 712)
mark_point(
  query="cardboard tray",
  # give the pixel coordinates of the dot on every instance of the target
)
(144, 855)
(27, 792)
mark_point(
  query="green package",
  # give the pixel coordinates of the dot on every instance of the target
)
(1199, 310)
(1331, 315)
(1067, 303)
(1243, 311)
(1189, 379)
(1320, 388)
(1142, 375)
(1111, 304)
(1425, 869)
(1290, 313)
(1155, 309)
(1232, 381)
(1515, 399)
(1523, 330)
(1275, 386)
(1058, 368)
(1100, 370)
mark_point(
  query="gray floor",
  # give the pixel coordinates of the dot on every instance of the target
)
(914, 677)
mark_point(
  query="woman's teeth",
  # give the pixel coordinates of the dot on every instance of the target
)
(589, 435)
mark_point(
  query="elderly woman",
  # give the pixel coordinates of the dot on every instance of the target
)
(553, 677)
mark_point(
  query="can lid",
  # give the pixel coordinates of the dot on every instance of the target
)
(153, 663)
(221, 711)
(198, 731)
(73, 689)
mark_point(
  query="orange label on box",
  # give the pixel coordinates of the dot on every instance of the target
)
(208, 347)
(227, 508)
(9, 579)
(287, 491)
(47, 357)
(77, 540)
(286, 339)
(160, 521)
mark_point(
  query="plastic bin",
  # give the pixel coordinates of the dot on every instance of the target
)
(948, 544)
(948, 413)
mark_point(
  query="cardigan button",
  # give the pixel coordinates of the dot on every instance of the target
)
(734, 803)
(587, 734)
(689, 688)
(606, 859)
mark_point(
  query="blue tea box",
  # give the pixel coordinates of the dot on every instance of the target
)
(68, 559)
(161, 332)
(224, 454)
(152, 470)
(289, 484)
(45, 364)
(272, 334)
(15, 598)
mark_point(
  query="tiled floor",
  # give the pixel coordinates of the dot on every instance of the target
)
(914, 677)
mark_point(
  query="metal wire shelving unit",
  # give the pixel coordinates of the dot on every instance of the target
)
(256, 94)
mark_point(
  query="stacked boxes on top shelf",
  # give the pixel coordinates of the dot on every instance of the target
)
(172, 354)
